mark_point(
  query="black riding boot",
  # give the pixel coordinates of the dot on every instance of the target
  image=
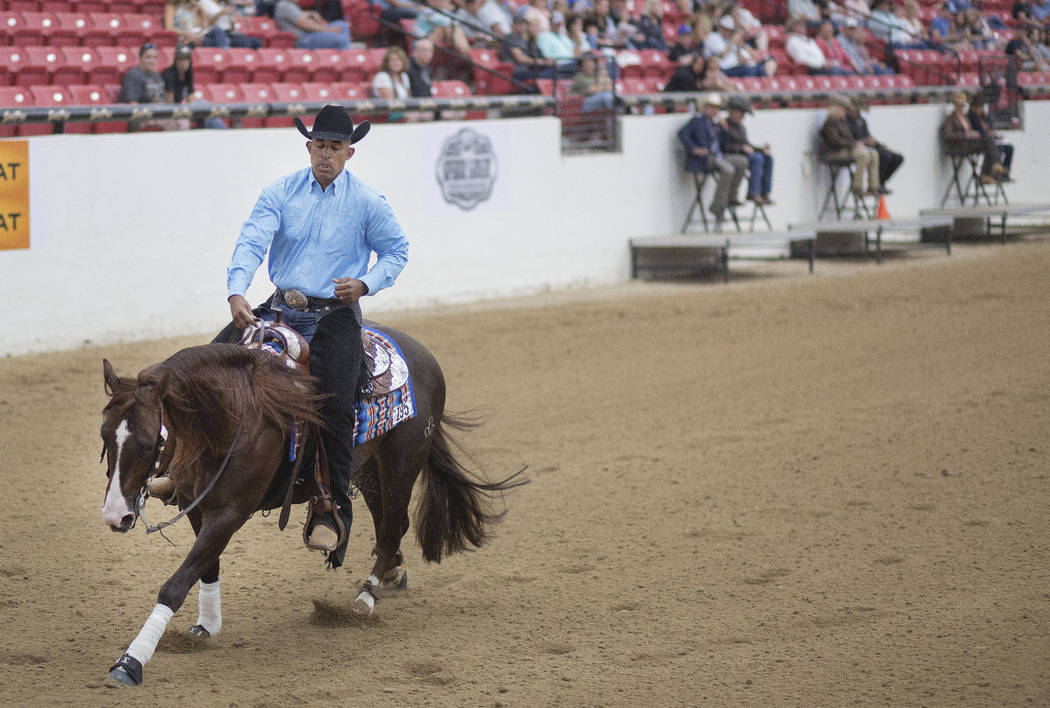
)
(336, 358)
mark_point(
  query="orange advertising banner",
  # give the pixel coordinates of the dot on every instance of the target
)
(14, 194)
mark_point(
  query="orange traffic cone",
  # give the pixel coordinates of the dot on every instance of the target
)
(883, 213)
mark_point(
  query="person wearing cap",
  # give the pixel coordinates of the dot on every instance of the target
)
(889, 160)
(837, 144)
(178, 86)
(551, 39)
(726, 46)
(759, 160)
(851, 39)
(321, 225)
(701, 138)
(594, 84)
(960, 138)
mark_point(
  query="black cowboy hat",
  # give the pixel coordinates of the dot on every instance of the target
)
(334, 123)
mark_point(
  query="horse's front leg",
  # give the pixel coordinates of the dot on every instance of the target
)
(215, 532)
(209, 607)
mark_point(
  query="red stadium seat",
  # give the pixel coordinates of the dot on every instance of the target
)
(222, 93)
(350, 91)
(487, 82)
(58, 97)
(270, 65)
(15, 97)
(256, 93)
(88, 5)
(9, 23)
(285, 92)
(315, 91)
(329, 65)
(75, 66)
(237, 66)
(265, 29)
(35, 65)
(300, 66)
(208, 64)
(22, 5)
(37, 28)
(656, 65)
(150, 27)
(359, 65)
(364, 19)
(449, 89)
(113, 63)
(630, 86)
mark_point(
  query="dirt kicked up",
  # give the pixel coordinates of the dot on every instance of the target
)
(809, 491)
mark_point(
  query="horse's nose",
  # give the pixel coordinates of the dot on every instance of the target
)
(126, 522)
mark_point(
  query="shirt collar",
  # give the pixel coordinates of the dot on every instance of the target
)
(336, 184)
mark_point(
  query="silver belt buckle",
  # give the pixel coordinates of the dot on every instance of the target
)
(295, 299)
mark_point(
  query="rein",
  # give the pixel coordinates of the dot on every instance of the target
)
(140, 505)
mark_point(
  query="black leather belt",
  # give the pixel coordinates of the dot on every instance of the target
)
(296, 300)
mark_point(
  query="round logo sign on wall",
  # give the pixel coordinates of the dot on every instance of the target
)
(466, 169)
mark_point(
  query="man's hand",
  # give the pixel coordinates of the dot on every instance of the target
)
(349, 290)
(241, 311)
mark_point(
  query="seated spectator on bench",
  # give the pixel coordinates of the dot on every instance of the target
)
(698, 75)
(759, 160)
(178, 84)
(703, 153)
(393, 11)
(978, 117)
(581, 41)
(437, 23)
(684, 45)
(419, 78)
(851, 39)
(726, 46)
(610, 34)
(832, 50)
(810, 11)
(804, 50)
(592, 81)
(519, 48)
(838, 145)
(219, 18)
(483, 21)
(754, 33)
(889, 160)
(391, 81)
(550, 39)
(143, 84)
(960, 138)
(649, 27)
(186, 19)
(1033, 54)
(310, 29)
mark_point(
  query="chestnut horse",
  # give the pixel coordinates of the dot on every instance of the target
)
(217, 418)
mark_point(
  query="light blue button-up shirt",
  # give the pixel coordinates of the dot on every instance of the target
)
(315, 235)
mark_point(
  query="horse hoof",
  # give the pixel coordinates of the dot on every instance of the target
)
(126, 672)
(199, 632)
(363, 606)
(396, 579)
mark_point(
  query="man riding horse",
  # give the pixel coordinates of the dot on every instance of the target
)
(321, 225)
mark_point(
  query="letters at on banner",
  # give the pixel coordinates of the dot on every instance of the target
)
(14, 194)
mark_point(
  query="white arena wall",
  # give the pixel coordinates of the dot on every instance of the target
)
(130, 234)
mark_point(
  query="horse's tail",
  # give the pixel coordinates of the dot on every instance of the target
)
(454, 508)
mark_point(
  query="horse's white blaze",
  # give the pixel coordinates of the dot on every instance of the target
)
(115, 506)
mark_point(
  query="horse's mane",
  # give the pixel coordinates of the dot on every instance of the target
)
(209, 391)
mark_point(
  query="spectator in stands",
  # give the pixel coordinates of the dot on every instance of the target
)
(393, 11)
(581, 42)
(703, 153)
(960, 138)
(609, 35)
(759, 160)
(649, 27)
(310, 29)
(419, 78)
(594, 84)
(698, 75)
(219, 18)
(978, 117)
(804, 50)
(754, 33)
(391, 81)
(838, 60)
(808, 10)
(837, 144)
(484, 21)
(889, 160)
(851, 39)
(727, 47)
(941, 25)
(142, 83)
(551, 40)
(887, 25)
(976, 30)
(1033, 54)
(1041, 11)
(684, 45)
(855, 9)
(520, 49)
(186, 20)
(178, 85)
(437, 23)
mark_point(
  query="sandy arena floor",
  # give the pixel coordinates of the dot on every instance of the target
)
(790, 490)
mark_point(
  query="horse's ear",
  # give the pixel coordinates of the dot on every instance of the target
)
(110, 377)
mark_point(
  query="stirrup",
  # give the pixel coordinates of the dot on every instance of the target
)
(161, 487)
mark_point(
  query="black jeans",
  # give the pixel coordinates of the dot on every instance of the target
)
(337, 361)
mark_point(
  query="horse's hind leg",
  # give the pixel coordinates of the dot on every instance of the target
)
(393, 576)
(209, 606)
(397, 470)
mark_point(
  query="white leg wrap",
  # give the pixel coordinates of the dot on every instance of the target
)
(209, 608)
(366, 597)
(144, 644)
